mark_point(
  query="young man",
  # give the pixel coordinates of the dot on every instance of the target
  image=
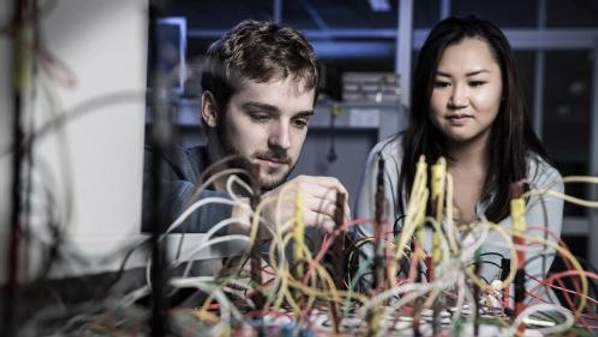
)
(259, 89)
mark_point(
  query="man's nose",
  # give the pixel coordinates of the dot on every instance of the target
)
(280, 135)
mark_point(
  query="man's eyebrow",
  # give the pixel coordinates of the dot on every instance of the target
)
(259, 106)
(273, 109)
(304, 114)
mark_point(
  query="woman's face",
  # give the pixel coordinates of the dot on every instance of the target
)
(467, 92)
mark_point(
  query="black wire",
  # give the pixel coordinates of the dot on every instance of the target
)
(487, 262)
(355, 252)
(108, 286)
(493, 254)
(362, 283)
(332, 156)
(396, 230)
(533, 258)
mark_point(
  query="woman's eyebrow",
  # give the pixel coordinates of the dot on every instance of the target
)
(477, 72)
(442, 73)
(471, 73)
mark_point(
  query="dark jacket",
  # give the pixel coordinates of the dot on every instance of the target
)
(181, 169)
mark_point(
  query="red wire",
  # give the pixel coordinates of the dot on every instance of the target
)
(327, 243)
(413, 266)
(561, 286)
(57, 68)
(558, 276)
(545, 291)
(561, 243)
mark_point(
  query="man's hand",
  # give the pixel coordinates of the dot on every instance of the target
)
(319, 202)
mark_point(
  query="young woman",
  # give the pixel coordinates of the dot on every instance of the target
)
(468, 107)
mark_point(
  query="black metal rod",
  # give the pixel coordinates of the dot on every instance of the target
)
(10, 304)
(160, 142)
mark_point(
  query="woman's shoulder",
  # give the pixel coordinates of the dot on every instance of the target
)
(540, 173)
(389, 148)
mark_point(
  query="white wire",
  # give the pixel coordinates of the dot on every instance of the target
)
(450, 271)
(229, 187)
(208, 235)
(209, 243)
(468, 251)
(134, 295)
(200, 203)
(558, 328)
(226, 238)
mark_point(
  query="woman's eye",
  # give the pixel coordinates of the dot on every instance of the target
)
(441, 84)
(476, 83)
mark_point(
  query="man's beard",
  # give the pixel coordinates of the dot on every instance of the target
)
(227, 148)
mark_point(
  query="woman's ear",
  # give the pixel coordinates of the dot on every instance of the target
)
(209, 111)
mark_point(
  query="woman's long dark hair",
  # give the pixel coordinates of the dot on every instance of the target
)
(512, 137)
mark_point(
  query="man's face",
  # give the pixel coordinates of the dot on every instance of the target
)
(266, 124)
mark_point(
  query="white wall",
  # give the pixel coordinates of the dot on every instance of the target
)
(98, 157)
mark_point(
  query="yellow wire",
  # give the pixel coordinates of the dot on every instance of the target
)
(299, 231)
(438, 190)
(451, 229)
(415, 209)
(320, 286)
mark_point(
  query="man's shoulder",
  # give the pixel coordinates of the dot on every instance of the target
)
(196, 153)
(185, 163)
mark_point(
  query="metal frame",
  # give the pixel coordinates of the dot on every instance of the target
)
(181, 23)
(314, 14)
(593, 191)
(520, 39)
(404, 42)
(539, 76)
(542, 39)
(445, 9)
(276, 11)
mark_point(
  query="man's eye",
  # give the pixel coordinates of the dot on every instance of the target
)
(300, 123)
(260, 118)
(441, 84)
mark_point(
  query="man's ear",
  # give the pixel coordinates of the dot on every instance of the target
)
(209, 111)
